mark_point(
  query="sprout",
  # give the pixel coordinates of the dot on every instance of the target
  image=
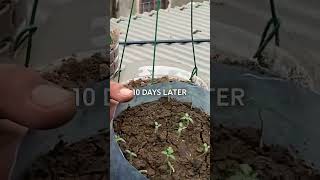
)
(169, 155)
(205, 148)
(118, 138)
(244, 172)
(156, 127)
(131, 155)
(186, 119)
(181, 128)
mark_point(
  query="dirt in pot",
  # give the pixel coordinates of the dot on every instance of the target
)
(75, 73)
(150, 138)
(238, 154)
(83, 160)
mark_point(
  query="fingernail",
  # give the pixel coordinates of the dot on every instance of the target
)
(49, 95)
(126, 92)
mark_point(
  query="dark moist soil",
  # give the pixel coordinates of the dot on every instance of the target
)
(136, 126)
(83, 160)
(74, 73)
(235, 146)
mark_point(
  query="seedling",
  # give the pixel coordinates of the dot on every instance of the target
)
(245, 172)
(186, 119)
(169, 155)
(181, 128)
(119, 139)
(156, 127)
(205, 148)
(131, 155)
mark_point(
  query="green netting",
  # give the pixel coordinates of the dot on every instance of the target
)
(266, 38)
(155, 43)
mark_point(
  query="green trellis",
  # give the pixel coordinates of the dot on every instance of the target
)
(155, 43)
(266, 38)
(27, 33)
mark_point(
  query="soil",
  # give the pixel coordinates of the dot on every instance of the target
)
(136, 127)
(83, 160)
(75, 73)
(235, 146)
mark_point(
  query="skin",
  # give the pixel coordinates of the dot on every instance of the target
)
(28, 101)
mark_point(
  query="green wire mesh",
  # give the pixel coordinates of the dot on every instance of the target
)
(265, 38)
(125, 41)
(195, 69)
(27, 33)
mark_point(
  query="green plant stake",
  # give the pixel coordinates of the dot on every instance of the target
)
(186, 119)
(245, 172)
(181, 128)
(169, 155)
(119, 139)
(131, 155)
(156, 127)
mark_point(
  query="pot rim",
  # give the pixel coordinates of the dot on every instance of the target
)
(5, 47)
(179, 77)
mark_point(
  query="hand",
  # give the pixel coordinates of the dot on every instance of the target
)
(28, 101)
(118, 93)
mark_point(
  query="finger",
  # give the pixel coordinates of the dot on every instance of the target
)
(29, 100)
(119, 93)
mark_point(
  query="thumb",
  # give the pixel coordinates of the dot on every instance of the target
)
(31, 101)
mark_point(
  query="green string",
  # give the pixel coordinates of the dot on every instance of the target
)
(195, 69)
(265, 38)
(155, 40)
(32, 20)
(125, 40)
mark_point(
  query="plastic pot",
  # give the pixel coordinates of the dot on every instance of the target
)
(120, 168)
(13, 16)
(5, 48)
(114, 66)
(114, 52)
(145, 72)
(6, 20)
(20, 14)
(290, 113)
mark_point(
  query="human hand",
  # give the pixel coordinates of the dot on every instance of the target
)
(28, 101)
(118, 93)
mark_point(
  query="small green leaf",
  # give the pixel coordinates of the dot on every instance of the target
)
(246, 169)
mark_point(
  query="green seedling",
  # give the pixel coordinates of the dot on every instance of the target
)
(156, 127)
(169, 155)
(205, 148)
(186, 119)
(245, 172)
(119, 139)
(181, 128)
(131, 155)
